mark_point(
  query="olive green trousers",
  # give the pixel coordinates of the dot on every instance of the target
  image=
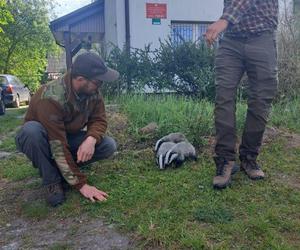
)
(257, 57)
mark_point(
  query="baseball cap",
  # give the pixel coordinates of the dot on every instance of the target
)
(92, 66)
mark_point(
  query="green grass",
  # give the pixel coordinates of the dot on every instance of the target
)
(286, 115)
(177, 208)
(16, 168)
(195, 118)
(171, 114)
(11, 120)
(35, 210)
(60, 247)
(8, 126)
(8, 144)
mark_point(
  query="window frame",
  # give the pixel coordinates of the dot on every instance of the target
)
(196, 34)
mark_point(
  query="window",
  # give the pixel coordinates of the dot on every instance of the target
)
(188, 31)
(3, 80)
(17, 81)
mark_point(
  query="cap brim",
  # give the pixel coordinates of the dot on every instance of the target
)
(110, 76)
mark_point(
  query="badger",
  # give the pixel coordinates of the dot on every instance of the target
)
(163, 148)
(179, 153)
(173, 137)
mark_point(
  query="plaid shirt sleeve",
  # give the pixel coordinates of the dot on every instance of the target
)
(234, 10)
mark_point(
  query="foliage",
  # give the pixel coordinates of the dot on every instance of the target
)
(137, 69)
(186, 68)
(26, 41)
(5, 15)
(288, 56)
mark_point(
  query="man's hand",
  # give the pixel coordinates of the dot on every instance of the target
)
(86, 150)
(214, 30)
(93, 193)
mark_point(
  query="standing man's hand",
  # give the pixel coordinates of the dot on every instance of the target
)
(93, 193)
(86, 150)
(214, 30)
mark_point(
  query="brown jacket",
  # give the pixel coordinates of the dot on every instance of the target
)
(61, 111)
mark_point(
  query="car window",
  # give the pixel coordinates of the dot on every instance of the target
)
(16, 81)
(3, 80)
(20, 83)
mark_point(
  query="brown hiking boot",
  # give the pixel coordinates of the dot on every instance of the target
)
(54, 194)
(251, 168)
(225, 169)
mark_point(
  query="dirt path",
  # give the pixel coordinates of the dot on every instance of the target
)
(19, 232)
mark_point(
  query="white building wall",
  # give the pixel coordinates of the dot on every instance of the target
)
(110, 17)
(143, 32)
(121, 22)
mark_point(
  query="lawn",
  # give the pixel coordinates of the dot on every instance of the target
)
(177, 208)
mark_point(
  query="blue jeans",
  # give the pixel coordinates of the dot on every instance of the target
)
(32, 140)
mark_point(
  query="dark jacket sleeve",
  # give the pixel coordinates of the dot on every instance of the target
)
(51, 115)
(97, 123)
(236, 9)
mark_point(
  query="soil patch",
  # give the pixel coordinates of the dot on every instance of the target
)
(290, 181)
(79, 232)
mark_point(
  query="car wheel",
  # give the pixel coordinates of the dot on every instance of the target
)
(17, 102)
(2, 107)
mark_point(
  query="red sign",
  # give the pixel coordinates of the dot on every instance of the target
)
(156, 10)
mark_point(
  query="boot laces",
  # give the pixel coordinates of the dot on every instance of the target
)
(251, 162)
(221, 166)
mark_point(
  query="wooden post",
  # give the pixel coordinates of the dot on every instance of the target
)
(67, 41)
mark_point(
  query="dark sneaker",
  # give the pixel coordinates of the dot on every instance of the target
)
(225, 169)
(251, 168)
(54, 194)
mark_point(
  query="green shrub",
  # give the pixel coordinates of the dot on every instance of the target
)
(137, 69)
(288, 57)
(186, 69)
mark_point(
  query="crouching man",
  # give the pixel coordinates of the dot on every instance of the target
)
(52, 135)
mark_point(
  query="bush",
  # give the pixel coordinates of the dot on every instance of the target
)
(186, 68)
(288, 57)
(137, 69)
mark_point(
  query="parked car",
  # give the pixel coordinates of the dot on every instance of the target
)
(2, 105)
(14, 92)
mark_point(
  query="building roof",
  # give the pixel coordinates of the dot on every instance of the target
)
(84, 23)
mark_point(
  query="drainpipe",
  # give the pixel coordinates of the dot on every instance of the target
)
(127, 27)
(127, 42)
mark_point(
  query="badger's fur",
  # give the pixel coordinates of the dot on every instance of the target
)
(173, 137)
(161, 153)
(180, 152)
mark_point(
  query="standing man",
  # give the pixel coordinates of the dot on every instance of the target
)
(248, 45)
(52, 136)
